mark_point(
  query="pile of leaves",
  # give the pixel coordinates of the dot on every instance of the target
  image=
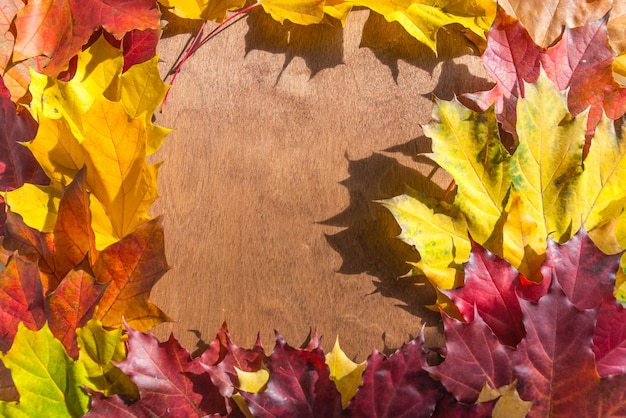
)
(525, 252)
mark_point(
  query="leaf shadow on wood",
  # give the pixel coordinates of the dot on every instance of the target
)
(391, 43)
(320, 46)
(369, 244)
(201, 344)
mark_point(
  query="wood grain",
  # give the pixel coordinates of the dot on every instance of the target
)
(284, 138)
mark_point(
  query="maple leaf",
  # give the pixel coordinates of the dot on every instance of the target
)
(169, 382)
(8, 10)
(303, 12)
(99, 348)
(617, 39)
(398, 385)
(512, 203)
(580, 62)
(58, 29)
(17, 164)
(609, 340)
(545, 19)
(424, 19)
(437, 231)
(71, 305)
(52, 383)
(492, 299)
(131, 267)
(202, 9)
(139, 46)
(299, 385)
(15, 74)
(21, 299)
(554, 362)
(224, 360)
(65, 247)
(344, 372)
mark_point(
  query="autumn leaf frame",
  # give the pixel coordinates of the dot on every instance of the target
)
(81, 252)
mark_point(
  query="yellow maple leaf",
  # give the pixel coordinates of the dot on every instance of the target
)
(37, 204)
(339, 9)
(97, 68)
(508, 404)
(252, 382)
(302, 12)
(117, 173)
(423, 18)
(522, 243)
(214, 10)
(602, 189)
(344, 372)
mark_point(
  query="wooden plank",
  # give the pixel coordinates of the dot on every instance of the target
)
(284, 138)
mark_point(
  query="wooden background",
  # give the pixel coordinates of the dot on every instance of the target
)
(285, 136)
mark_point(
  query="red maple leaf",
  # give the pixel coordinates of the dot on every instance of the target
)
(170, 383)
(580, 61)
(299, 385)
(223, 355)
(492, 298)
(397, 386)
(139, 46)
(71, 305)
(609, 340)
(59, 28)
(21, 299)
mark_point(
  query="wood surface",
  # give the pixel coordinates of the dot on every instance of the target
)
(284, 139)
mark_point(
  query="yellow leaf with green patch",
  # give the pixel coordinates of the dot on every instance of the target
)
(99, 348)
(344, 372)
(438, 232)
(468, 147)
(548, 159)
(47, 379)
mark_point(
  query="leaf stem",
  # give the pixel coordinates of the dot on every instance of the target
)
(196, 43)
